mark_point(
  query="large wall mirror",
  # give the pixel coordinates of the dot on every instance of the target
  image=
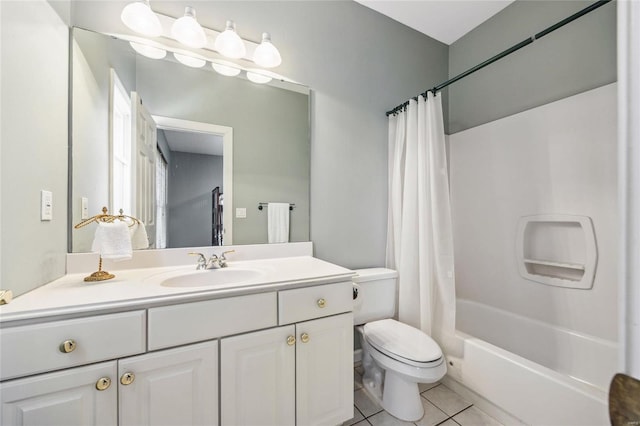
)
(207, 149)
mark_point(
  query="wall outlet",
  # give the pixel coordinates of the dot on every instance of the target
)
(84, 208)
(241, 212)
(46, 205)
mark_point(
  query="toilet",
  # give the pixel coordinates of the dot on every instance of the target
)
(395, 356)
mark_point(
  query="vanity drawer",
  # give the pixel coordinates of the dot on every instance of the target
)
(36, 348)
(198, 321)
(314, 302)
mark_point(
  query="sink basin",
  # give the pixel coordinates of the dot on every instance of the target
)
(211, 278)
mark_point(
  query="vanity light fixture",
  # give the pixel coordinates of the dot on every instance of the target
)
(148, 51)
(189, 61)
(139, 17)
(229, 43)
(266, 54)
(224, 69)
(258, 78)
(188, 31)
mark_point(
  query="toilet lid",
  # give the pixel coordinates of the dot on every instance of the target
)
(401, 341)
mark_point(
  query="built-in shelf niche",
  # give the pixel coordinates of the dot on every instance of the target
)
(558, 250)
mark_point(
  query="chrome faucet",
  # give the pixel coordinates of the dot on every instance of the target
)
(202, 261)
(214, 261)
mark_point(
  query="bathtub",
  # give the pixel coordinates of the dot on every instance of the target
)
(535, 372)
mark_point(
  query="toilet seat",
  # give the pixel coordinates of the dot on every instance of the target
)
(403, 343)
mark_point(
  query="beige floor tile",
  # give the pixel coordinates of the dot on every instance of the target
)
(449, 423)
(357, 417)
(472, 416)
(385, 419)
(363, 423)
(426, 386)
(432, 415)
(360, 369)
(367, 405)
(446, 399)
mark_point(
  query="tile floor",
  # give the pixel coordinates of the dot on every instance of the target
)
(442, 406)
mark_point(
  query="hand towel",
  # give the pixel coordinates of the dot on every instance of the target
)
(278, 222)
(113, 241)
(139, 237)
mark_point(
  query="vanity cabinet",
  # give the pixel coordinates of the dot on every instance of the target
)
(280, 357)
(293, 374)
(171, 387)
(85, 396)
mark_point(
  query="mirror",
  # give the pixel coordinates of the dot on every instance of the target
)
(266, 153)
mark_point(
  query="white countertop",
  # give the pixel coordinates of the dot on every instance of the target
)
(141, 288)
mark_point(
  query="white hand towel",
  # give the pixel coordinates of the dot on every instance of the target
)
(278, 222)
(139, 237)
(113, 241)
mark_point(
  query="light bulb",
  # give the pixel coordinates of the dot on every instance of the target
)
(224, 69)
(229, 43)
(258, 78)
(190, 61)
(188, 31)
(266, 55)
(148, 51)
(139, 17)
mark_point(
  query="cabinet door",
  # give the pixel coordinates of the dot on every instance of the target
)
(64, 398)
(171, 387)
(257, 378)
(324, 370)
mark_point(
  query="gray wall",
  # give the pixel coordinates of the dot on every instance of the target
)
(359, 64)
(192, 177)
(571, 60)
(33, 156)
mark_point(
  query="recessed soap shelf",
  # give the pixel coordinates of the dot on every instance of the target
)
(557, 250)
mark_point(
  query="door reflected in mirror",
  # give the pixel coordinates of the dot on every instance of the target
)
(172, 190)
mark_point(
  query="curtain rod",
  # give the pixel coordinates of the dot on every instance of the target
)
(507, 52)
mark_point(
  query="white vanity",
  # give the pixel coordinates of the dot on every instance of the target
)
(274, 347)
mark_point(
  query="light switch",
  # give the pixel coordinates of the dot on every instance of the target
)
(241, 212)
(46, 205)
(84, 208)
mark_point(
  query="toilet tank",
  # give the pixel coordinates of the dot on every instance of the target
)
(377, 293)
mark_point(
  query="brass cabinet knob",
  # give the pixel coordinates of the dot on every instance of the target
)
(304, 337)
(127, 378)
(291, 340)
(322, 303)
(68, 346)
(103, 383)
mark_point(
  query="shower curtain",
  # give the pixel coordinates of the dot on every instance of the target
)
(419, 232)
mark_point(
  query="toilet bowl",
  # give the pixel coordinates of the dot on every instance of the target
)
(395, 356)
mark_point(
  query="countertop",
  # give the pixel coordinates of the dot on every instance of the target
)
(141, 288)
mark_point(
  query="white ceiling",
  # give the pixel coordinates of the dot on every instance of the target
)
(194, 142)
(444, 20)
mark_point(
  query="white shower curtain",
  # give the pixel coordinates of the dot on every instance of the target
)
(419, 233)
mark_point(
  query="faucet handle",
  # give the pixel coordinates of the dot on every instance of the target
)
(223, 260)
(222, 256)
(202, 261)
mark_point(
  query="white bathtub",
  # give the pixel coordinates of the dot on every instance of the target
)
(538, 373)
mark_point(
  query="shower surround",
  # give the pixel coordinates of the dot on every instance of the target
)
(557, 159)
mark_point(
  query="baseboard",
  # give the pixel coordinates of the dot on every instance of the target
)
(357, 355)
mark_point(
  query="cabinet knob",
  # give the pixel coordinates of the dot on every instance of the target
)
(68, 346)
(322, 303)
(291, 340)
(304, 337)
(103, 383)
(127, 378)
